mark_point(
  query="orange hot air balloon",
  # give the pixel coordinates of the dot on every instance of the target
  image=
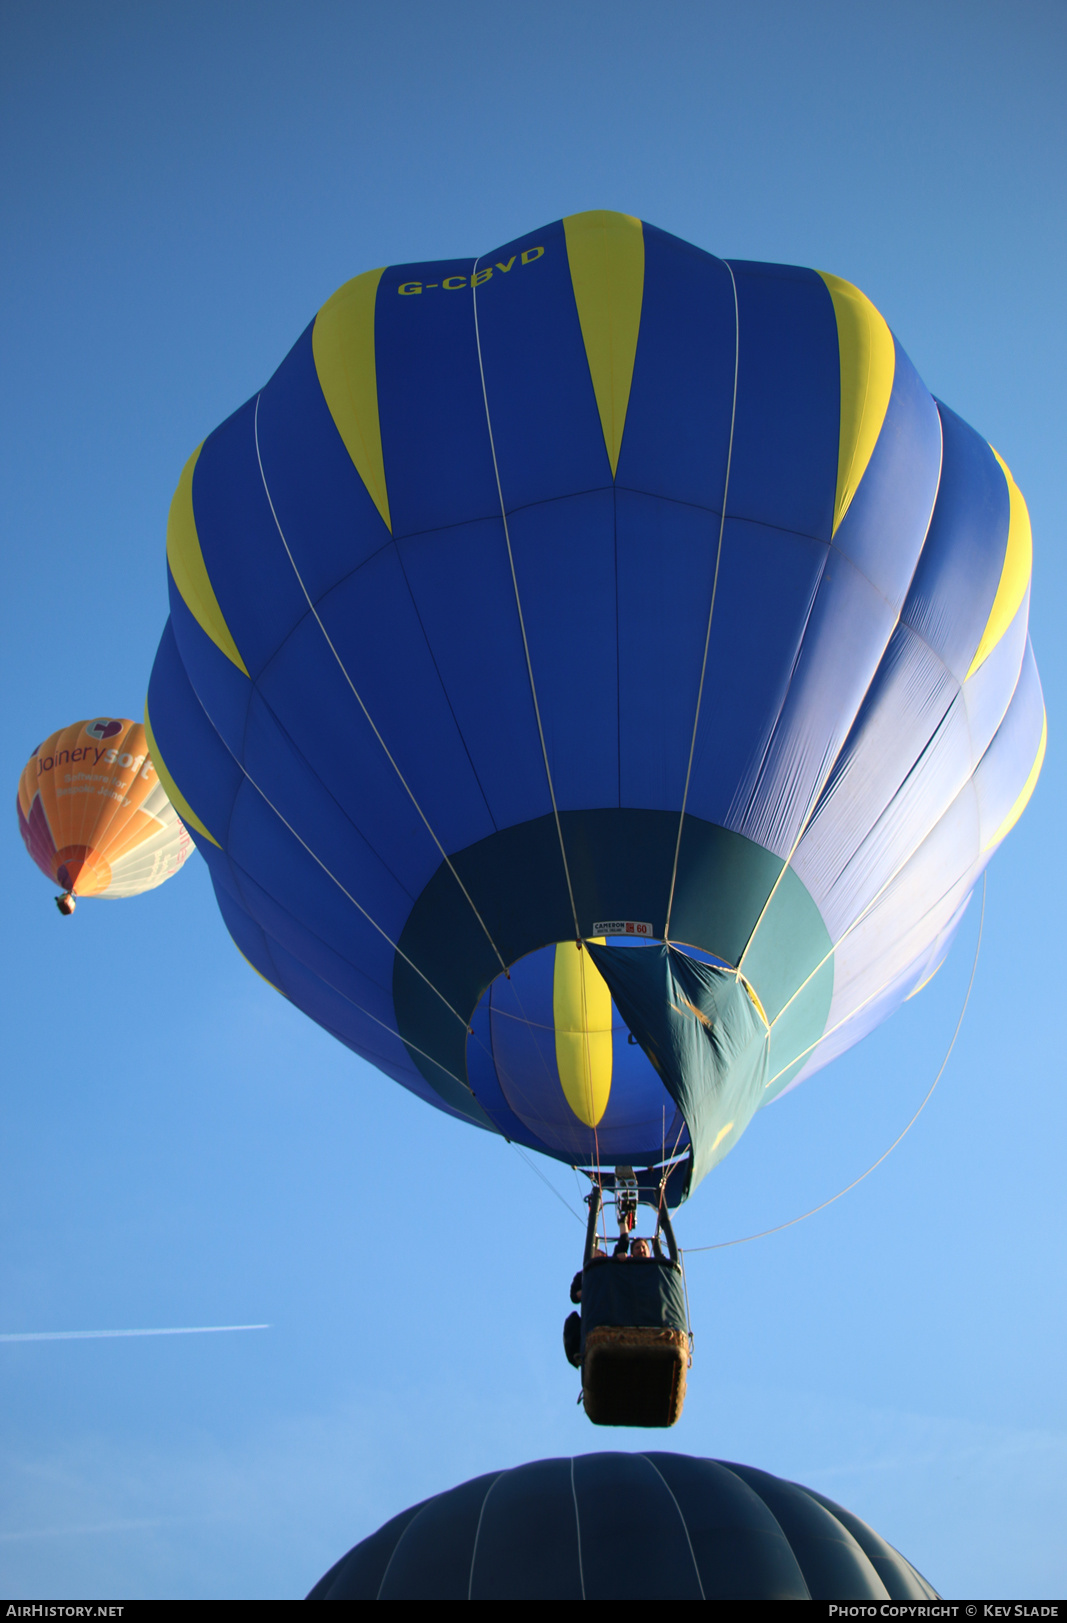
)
(95, 817)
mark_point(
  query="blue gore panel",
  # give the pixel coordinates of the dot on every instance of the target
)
(886, 523)
(522, 1040)
(341, 754)
(329, 521)
(223, 878)
(678, 419)
(874, 959)
(485, 1084)
(988, 693)
(666, 564)
(1006, 764)
(250, 939)
(316, 997)
(849, 628)
(373, 1042)
(516, 1043)
(642, 1123)
(959, 571)
(342, 1000)
(322, 985)
(295, 900)
(343, 748)
(768, 582)
(565, 565)
(438, 463)
(879, 971)
(253, 580)
(546, 432)
(461, 585)
(903, 764)
(222, 689)
(786, 434)
(375, 629)
(192, 750)
(317, 819)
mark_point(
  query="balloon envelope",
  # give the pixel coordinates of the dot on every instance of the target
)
(597, 590)
(613, 1526)
(93, 814)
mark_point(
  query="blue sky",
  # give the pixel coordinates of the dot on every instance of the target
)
(182, 187)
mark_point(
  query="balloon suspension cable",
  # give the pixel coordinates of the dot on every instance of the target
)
(359, 698)
(688, 1314)
(711, 609)
(518, 607)
(743, 1239)
(436, 990)
(535, 1169)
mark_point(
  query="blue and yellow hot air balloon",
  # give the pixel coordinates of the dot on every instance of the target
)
(597, 675)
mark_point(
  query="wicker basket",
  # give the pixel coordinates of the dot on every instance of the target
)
(634, 1376)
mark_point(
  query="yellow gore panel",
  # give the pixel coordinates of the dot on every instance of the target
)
(1015, 575)
(174, 794)
(581, 1014)
(868, 366)
(606, 253)
(343, 345)
(1027, 790)
(757, 1005)
(721, 1134)
(186, 563)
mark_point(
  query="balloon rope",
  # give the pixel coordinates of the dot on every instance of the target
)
(578, 1531)
(845, 1019)
(816, 798)
(536, 1170)
(239, 764)
(685, 1525)
(711, 610)
(474, 1547)
(359, 700)
(873, 903)
(518, 605)
(762, 1235)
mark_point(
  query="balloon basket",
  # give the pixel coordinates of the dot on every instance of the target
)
(635, 1376)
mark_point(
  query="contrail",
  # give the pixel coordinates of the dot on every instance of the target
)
(97, 1335)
